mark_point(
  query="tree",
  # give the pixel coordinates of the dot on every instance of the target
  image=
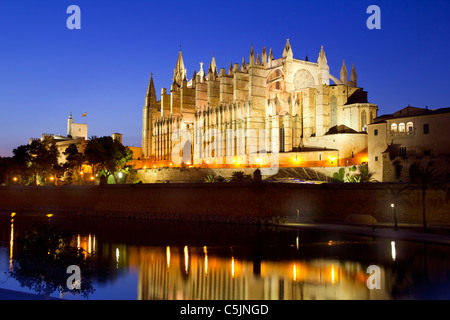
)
(93, 153)
(20, 160)
(424, 178)
(74, 160)
(240, 176)
(107, 156)
(6, 170)
(38, 159)
(42, 256)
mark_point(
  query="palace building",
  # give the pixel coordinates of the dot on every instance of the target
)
(256, 113)
(409, 136)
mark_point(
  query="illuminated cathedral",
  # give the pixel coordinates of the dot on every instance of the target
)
(260, 111)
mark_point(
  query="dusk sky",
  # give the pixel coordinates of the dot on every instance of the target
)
(103, 69)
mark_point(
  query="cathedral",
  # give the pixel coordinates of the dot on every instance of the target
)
(263, 112)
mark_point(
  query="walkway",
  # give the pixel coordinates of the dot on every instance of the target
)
(405, 232)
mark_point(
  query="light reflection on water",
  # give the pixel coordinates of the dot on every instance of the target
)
(160, 261)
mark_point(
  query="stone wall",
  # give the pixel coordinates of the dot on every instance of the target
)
(227, 202)
(160, 175)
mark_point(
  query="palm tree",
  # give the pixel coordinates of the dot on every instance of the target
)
(424, 178)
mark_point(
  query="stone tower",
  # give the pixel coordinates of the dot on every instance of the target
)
(69, 125)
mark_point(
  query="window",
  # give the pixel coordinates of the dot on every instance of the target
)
(401, 127)
(394, 127)
(403, 152)
(375, 132)
(376, 158)
(333, 111)
(426, 128)
(282, 138)
(409, 127)
(363, 120)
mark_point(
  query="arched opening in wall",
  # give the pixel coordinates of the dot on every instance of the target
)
(401, 127)
(363, 121)
(409, 128)
(394, 127)
(282, 138)
(333, 112)
(187, 153)
(275, 75)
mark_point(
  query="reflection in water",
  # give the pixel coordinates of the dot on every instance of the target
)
(168, 256)
(186, 259)
(41, 257)
(11, 242)
(197, 273)
(205, 251)
(261, 264)
(393, 252)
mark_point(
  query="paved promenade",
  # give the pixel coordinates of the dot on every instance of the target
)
(437, 235)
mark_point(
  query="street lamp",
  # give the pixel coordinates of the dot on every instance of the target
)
(395, 216)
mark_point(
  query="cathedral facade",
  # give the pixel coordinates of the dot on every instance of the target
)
(266, 112)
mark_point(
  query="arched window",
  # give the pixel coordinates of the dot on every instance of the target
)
(401, 127)
(282, 138)
(333, 112)
(363, 120)
(409, 128)
(394, 127)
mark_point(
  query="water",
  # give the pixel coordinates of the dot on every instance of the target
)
(160, 261)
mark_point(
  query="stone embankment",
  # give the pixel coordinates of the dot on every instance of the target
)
(245, 202)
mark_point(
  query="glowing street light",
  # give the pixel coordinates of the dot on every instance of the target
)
(395, 216)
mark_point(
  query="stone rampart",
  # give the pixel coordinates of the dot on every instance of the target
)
(231, 202)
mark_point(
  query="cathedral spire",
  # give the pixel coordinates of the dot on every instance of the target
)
(324, 70)
(150, 97)
(243, 65)
(179, 71)
(213, 65)
(264, 56)
(344, 73)
(252, 56)
(287, 52)
(270, 58)
(353, 77)
(322, 57)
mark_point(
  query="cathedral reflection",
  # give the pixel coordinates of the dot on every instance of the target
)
(197, 273)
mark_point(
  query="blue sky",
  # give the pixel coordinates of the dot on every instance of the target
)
(48, 71)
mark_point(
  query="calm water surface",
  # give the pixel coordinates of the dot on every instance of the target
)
(156, 260)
